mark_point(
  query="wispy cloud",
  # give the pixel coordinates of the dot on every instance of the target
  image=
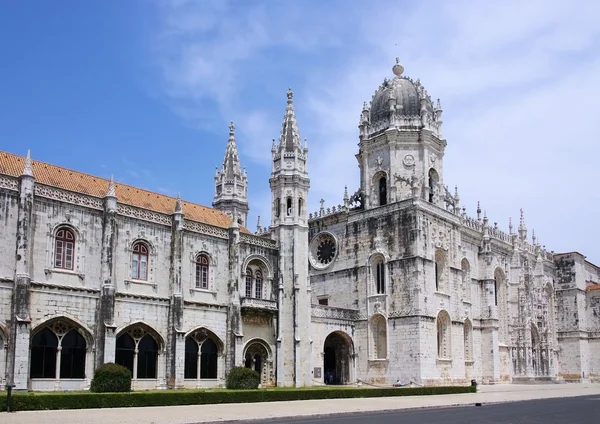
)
(518, 82)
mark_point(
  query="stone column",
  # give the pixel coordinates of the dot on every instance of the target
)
(105, 347)
(20, 328)
(175, 349)
(233, 342)
(489, 333)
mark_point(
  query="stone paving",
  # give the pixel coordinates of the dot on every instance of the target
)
(260, 411)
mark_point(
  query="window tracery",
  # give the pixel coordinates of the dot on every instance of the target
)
(139, 262)
(64, 248)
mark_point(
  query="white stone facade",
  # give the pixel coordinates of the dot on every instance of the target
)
(398, 283)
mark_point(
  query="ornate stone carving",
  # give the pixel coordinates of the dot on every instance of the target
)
(409, 160)
(143, 214)
(320, 311)
(68, 197)
(198, 227)
(323, 250)
(258, 241)
(9, 183)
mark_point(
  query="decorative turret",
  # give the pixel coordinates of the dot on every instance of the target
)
(110, 198)
(27, 169)
(522, 228)
(400, 136)
(231, 183)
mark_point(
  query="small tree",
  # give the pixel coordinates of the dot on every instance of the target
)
(111, 377)
(240, 378)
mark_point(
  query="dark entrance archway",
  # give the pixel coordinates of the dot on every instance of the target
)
(337, 358)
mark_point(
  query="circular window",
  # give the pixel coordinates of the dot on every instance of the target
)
(323, 250)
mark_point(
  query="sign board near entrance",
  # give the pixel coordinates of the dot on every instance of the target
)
(317, 372)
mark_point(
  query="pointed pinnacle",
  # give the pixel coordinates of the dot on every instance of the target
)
(28, 169)
(178, 205)
(111, 187)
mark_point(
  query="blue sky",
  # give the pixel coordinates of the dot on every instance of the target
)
(145, 90)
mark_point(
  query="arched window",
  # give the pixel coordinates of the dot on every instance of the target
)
(125, 352)
(72, 355)
(137, 351)
(139, 263)
(433, 182)
(300, 201)
(202, 272)
(496, 289)
(191, 358)
(147, 357)
(379, 337)
(440, 270)
(43, 354)
(468, 334)
(382, 191)
(465, 279)
(443, 335)
(248, 283)
(289, 206)
(58, 345)
(380, 276)
(277, 207)
(208, 359)
(64, 248)
(258, 285)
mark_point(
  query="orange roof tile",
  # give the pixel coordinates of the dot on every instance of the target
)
(79, 182)
(593, 287)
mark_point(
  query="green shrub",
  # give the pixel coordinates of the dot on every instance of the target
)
(241, 378)
(111, 377)
(33, 401)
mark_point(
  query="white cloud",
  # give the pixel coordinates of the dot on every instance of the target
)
(518, 82)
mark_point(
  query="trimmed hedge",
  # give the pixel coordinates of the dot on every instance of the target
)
(110, 378)
(242, 378)
(64, 400)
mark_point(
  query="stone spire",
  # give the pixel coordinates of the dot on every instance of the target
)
(231, 183)
(28, 169)
(290, 136)
(110, 192)
(258, 226)
(231, 162)
(178, 205)
(522, 227)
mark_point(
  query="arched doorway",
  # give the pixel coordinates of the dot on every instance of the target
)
(257, 356)
(337, 358)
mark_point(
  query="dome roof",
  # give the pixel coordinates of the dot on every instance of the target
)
(399, 98)
(408, 102)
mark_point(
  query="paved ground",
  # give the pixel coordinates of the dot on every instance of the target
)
(264, 411)
(580, 410)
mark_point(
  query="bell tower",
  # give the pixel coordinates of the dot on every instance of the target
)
(231, 184)
(289, 222)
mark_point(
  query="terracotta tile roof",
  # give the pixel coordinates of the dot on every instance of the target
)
(593, 287)
(79, 182)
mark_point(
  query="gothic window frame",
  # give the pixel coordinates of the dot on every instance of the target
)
(142, 252)
(465, 276)
(64, 240)
(379, 274)
(199, 337)
(258, 284)
(376, 189)
(78, 250)
(202, 271)
(433, 180)
(253, 266)
(444, 335)
(468, 341)
(277, 207)
(138, 332)
(378, 335)
(61, 329)
(300, 206)
(440, 269)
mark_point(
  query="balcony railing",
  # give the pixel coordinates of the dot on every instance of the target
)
(250, 302)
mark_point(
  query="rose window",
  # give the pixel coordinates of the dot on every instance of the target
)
(323, 250)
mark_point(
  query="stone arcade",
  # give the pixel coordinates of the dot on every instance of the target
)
(395, 283)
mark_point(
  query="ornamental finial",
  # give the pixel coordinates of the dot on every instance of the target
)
(28, 169)
(111, 188)
(290, 95)
(398, 69)
(231, 129)
(178, 205)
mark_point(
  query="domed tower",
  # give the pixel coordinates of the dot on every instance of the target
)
(401, 148)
